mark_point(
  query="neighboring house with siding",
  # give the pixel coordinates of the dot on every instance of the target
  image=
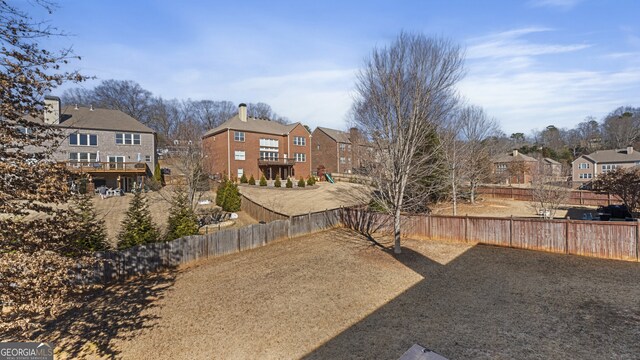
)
(338, 151)
(587, 167)
(514, 168)
(255, 146)
(111, 147)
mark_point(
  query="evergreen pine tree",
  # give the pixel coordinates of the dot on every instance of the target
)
(89, 232)
(243, 179)
(301, 182)
(232, 199)
(137, 226)
(157, 173)
(182, 219)
(252, 180)
(263, 181)
(277, 183)
(289, 183)
(221, 192)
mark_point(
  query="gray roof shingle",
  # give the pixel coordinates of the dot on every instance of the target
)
(252, 124)
(100, 119)
(337, 135)
(614, 156)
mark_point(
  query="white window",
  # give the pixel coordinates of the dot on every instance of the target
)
(83, 139)
(299, 140)
(583, 166)
(343, 160)
(127, 139)
(585, 176)
(240, 172)
(343, 146)
(301, 157)
(270, 143)
(607, 168)
(239, 155)
(269, 155)
(238, 136)
(147, 158)
(82, 157)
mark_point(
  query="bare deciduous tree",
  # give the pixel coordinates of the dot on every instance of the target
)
(404, 92)
(548, 194)
(476, 128)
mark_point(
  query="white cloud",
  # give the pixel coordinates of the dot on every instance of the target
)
(559, 4)
(511, 44)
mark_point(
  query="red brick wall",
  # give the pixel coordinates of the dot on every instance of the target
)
(324, 151)
(215, 151)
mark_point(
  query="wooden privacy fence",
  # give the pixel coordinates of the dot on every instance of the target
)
(260, 212)
(577, 197)
(139, 260)
(602, 239)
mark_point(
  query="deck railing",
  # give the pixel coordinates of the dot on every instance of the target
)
(97, 166)
(271, 161)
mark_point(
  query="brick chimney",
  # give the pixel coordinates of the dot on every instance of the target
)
(52, 110)
(242, 112)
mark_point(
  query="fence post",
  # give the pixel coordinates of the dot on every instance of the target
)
(637, 240)
(466, 228)
(290, 226)
(566, 240)
(309, 222)
(511, 231)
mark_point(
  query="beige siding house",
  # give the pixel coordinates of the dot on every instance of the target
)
(588, 167)
(111, 147)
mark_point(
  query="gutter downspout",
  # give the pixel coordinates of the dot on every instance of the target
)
(229, 153)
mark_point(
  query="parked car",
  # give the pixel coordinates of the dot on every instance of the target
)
(613, 212)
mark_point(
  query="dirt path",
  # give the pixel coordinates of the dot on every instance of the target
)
(332, 296)
(294, 202)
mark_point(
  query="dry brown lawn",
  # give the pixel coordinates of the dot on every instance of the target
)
(333, 296)
(507, 207)
(113, 210)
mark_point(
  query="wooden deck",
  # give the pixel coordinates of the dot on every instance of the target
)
(107, 167)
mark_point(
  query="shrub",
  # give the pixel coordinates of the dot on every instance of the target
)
(243, 179)
(157, 173)
(221, 192)
(263, 181)
(232, 199)
(182, 219)
(137, 227)
(301, 182)
(289, 183)
(89, 232)
(277, 183)
(252, 180)
(311, 181)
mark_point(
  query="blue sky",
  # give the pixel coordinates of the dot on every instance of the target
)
(529, 63)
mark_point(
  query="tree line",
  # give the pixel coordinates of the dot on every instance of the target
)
(172, 119)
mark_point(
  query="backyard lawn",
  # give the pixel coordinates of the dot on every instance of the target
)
(333, 296)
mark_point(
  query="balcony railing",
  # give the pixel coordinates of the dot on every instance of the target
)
(271, 161)
(96, 166)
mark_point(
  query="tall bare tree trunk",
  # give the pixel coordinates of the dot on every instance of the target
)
(396, 232)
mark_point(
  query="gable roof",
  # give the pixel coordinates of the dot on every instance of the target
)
(100, 119)
(613, 156)
(336, 135)
(503, 158)
(252, 124)
(551, 161)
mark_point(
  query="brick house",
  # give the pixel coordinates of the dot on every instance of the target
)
(254, 146)
(587, 167)
(338, 151)
(110, 146)
(514, 168)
